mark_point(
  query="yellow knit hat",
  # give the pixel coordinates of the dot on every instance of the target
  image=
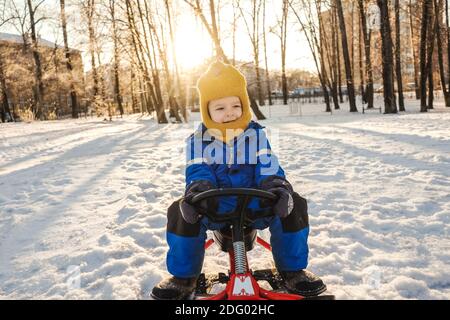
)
(220, 81)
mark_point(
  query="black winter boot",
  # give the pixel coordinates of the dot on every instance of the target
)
(303, 282)
(175, 288)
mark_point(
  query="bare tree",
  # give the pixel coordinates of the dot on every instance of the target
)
(162, 51)
(360, 61)
(143, 55)
(175, 62)
(413, 49)
(423, 54)
(5, 113)
(5, 110)
(211, 28)
(432, 29)
(146, 40)
(283, 44)
(19, 21)
(254, 36)
(38, 111)
(338, 58)
(368, 59)
(73, 93)
(280, 30)
(146, 90)
(438, 14)
(348, 71)
(447, 25)
(330, 53)
(309, 29)
(111, 7)
(398, 60)
(386, 44)
(268, 89)
(88, 8)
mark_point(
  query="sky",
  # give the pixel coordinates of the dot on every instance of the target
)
(191, 39)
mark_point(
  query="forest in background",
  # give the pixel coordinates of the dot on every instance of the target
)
(359, 48)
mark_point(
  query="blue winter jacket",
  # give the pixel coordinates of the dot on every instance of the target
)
(243, 162)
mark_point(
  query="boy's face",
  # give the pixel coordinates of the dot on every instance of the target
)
(225, 110)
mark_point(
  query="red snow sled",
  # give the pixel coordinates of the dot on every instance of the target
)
(237, 239)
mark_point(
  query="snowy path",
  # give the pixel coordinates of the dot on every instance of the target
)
(92, 196)
(84, 196)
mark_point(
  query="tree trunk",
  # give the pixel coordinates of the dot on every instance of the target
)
(154, 89)
(423, 55)
(448, 45)
(73, 93)
(430, 50)
(178, 90)
(352, 40)
(268, 89)
(5, 110)
(258, 79)
(369, 72)
(215, 31)
(339, 66)
(145, 99)
(331, 60)
(173, 104)
(438, 15)
(39, 113)
(117, 94)
(283, 52)
(413, 48)
(256, 10)
(101, 78)
(360, 60)
(398, 61)
(348, 71)
(430, 86)
(89, 11)
(134, 106)
(57, 103)
(324, 79)
(153, 102)
(386, 43)
(156, 92)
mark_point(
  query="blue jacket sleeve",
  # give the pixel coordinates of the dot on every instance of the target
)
(197, 167)
(267, 163)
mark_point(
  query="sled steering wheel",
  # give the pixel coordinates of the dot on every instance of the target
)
(242, 213)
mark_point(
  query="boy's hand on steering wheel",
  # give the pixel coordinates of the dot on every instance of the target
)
(188, 211)
(283, 189)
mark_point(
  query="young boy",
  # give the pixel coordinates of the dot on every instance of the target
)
(229, 150)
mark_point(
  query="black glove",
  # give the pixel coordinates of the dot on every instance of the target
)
(283, 189)
(188, 211)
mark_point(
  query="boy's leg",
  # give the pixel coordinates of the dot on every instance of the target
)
(289, 237)
(186, 244)
(289, 240)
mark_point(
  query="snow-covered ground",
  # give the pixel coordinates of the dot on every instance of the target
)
(83, 203)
